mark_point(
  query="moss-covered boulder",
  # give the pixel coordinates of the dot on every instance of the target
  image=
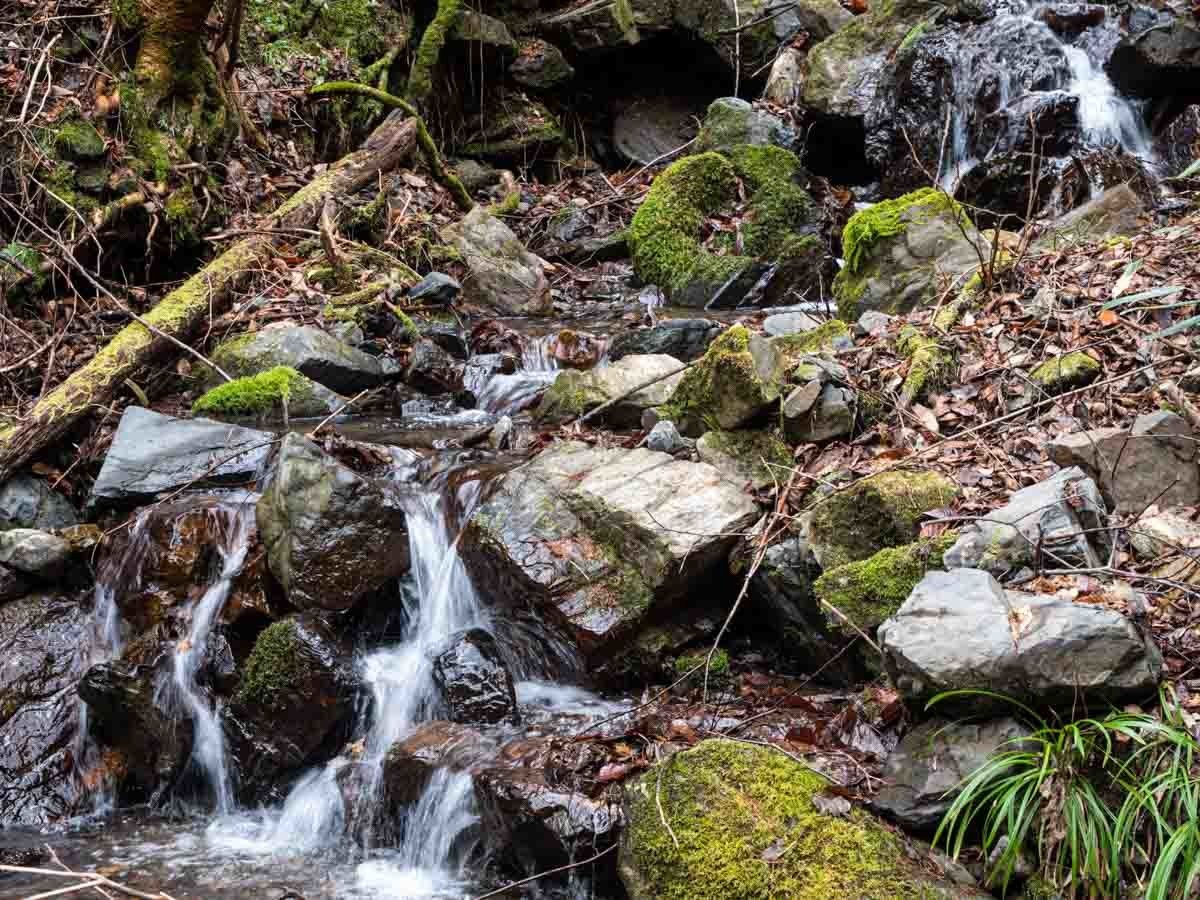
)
(879, 511)
(732, 122)
(576, 392)
(903, 253)
(758, 458)
(730, 819)
(1062, 373)
(274, 394)
(870, 590)
(308, 350)
(78, 139)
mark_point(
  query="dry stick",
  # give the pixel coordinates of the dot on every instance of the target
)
(608, 404)
(583, 862)
(62, 865)
(60, 892)
(101, 879)
(329, 418)
(33, 81)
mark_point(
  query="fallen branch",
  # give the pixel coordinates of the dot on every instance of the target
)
(179, 315)
(93, 879)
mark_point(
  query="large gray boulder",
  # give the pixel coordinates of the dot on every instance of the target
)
(960, 630)
(1054, 518)
(1152, 462)
(34, 552)
(602, 540)
(331, 535)
(152, 453)
(575, 393)
(732, 122)
(309, 350)
(504, 276)
(27, 502)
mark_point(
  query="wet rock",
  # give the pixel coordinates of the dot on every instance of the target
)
(309, 350)
(684, 339)
(786, 78)
(152, 453)
(569, 223)
(27, 502)
(1115, 212)
(501, 435)
(732, 806)
(732, 122)
(600, 540)
(412, 762)
(504, 275)
(1154, 461)
(811, 419)
(664, 438)
(33, 552)
(960, 630)
(576, 349)
(646, 128)
(575, 393)
(331, 535)
(1051, 520)
(13, 584)
(923, 774)
(295, 696)
(758, 458)
(474, 681)
(1069, 19)
(40, 639)
(435, 289)
(450, 338)
(1159, 62)
(540, 65)
(432, 370)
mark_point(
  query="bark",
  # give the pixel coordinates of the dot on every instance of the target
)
(182, 312)
(170, 43)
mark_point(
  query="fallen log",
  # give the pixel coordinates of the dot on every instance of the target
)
(179, 315)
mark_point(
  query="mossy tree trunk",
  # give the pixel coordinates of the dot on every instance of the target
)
(182, 312)
(172, 42)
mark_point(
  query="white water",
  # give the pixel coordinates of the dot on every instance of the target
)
(508, 394)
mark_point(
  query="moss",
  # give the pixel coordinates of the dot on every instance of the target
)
(272, 667)
(762, 456)
(28, 258)
(876, 512)
(253, 394)
(914, 35)
(623, 15)
(719, 672)
(420, 78)
(183, 214)
(408, 328)
(929, 363)
(888, 218)
(729, 804)
(572, 394)
(1071, 370)
(870, 590)
(78, 139)
(820, 338)
(127, 14)
(727, 368)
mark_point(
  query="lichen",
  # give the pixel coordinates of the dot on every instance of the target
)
(870, 590)
(272, 667)
(1071, 370)
(929, 363)
(254, 394)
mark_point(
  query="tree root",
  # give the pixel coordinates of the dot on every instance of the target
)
(429, 149)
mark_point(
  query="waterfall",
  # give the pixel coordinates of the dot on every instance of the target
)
(508, 394)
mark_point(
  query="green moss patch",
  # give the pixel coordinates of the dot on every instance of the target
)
(929, 363)
(254, 395)
(724, 390)
(1071, 370)
(272, 667)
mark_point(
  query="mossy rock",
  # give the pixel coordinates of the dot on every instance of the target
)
(870, 590)
(278, 30)
(266, 395)
(719, 672)
(879, 511)
(1063, 373)
(518, 130)
(273, 665)
(929, 363)
(78, 139)
(743, 824)
(758, 457)
(804, 343)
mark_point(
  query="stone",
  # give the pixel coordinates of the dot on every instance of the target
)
(648, 127)
(732, 122)
(1063, 373)
(13, 584)
(474, 175)
(1154, 461)
(540, 65)
(474, 681)
(576, 349)
(960, 630)
(34, 552)
(40, 638)
(782, 323)
(412, 762)
(514, 129)
(501, 435)
(574, 392)
(1162, 532)
(829, 415)
(923, 775)
(435, 289)
(664, 437)
(504, 275)
(599, 540)
(684, 339)
(476, 27)
(1116, 212)
(758, 458)
(786, 79)
(432, 370)
(152, 453)
(873, 323)
(1159, 62)
(305, 348)
(331, 535)
(269, 396)
(1053, 518)
(28, 502)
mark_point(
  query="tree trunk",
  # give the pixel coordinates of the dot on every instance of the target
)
(171, 42)
(181, 313)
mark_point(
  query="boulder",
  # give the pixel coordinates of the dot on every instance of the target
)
(924, 773)
(411, 763)
(786, 78)
(1057, 519)
(749, 821)
(275, 394)
(794, 322)
(295, 695)
(512, 130)
(575, 393)
(817, 412)
(879, 511)
(476, 27)
(504, 275)
(305, 348)
(435, 289)
(684, 339)
(1159, 62)
(1063, 373)
(152, 453)
(758, 458)
(331, 535)
(1154, 461)
(40, 638)
(960, 630)
(731, 122)
(34, 552)
(649, 128)
(27, 502)
(474, 682)
(432, 370)
(540, 65)
(600, 540)
(1116, 212)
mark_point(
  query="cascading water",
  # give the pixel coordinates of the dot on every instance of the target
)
(508, 394)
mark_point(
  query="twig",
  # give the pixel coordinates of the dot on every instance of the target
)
(37, 70)
(329, 418)
(583, 862)
(658, 796)
(100, 879)
(62, 865)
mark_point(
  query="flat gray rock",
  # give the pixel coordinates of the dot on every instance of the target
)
(34, 552)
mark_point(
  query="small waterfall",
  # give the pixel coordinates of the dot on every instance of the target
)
(1107, 118)
(508, 394)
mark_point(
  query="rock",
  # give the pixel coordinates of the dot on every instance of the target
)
(569, 223)
(34, 552)
(476, 27)
(475, 176)
(664, 437)
(540, 65)
(1154, 461)
(27, 502)
(960, 630)
(501, 435)
(1053, 519)
(432, 370)
(412, 762)
(731, 122)
(1159, 62)
(513, 130)
(1162, 532)
(576, 349)
(435, 289)
(828, 415)
(924, 773)
(783, 323)
(13, 584)
(1116, 212)
(504, 275)
(296, 694)
(648, 127)
(899, 252)
(574, 393)
(734, 806)
(40, 637)
(152, 453)
(758, 458)
(684, 339)
(1063, 373)
(309, 350)
(1070, 19)
(331, 535)
(879, 511)
(873, 323)
(474, 681)
(601, 540)
(269, 395)
(786, 79)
